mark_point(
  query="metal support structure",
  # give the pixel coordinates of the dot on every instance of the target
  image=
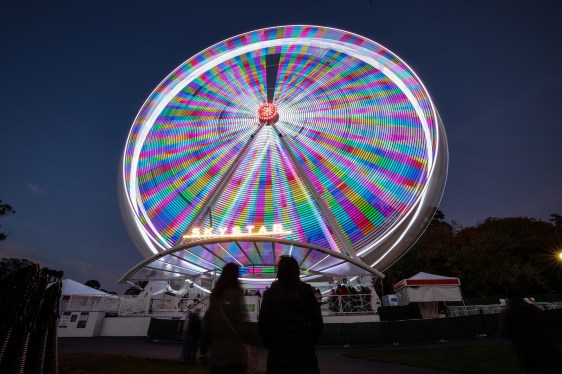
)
(245, 254)
(184, 260)
(330, 220)
(217, 192)
(186, 246)
(258, 252)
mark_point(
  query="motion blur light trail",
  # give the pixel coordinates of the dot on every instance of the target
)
(320, 130)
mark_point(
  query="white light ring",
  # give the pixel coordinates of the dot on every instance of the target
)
(162, 103)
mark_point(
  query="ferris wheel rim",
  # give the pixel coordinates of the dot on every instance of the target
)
(131, 188)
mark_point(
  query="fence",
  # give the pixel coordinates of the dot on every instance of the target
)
(132, 305)
(469, 310)
(173, 306)
(349, 304)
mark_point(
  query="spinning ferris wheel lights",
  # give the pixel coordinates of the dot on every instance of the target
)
(349, 156)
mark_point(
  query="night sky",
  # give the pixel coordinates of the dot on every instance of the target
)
(75, 73)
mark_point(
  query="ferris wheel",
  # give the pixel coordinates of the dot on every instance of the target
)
(300, 140)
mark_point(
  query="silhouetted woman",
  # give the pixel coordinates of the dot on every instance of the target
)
(290, 322)
(224, 327)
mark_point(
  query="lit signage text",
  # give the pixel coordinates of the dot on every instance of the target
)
(210, 232)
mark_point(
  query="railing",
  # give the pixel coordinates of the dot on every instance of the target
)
(349, 304)
(177, 307)
(76, 303)
(458, 311)
(133, 305)
(166, 305)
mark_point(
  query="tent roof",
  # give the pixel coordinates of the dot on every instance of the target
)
(426, 279)
(71, 287)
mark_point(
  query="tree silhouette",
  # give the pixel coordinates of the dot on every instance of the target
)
(135, 290)
(93, 283)
(5, 210)
(556, 219)
(490, 257)
(438, 216)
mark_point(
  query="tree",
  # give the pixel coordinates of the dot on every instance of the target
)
(489, 258)
(438, 216)
(93, 283)
(503, 253)
(5, 210)
(556, 219)
(429, 254)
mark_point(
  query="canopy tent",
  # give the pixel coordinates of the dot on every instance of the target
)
(71, 287)
(426, 290)
(79, 297)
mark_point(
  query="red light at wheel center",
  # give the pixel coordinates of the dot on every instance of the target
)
(267, 112)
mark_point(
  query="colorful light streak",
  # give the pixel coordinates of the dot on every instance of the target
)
(358, 120)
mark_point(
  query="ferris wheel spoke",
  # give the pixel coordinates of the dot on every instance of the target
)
(245, 75)
(306, 83)
(219, 188)
(341, 82)
(221, 98)
(334, 227)
(272, 68)
(248, 75)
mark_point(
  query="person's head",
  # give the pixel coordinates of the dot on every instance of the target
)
(288, 270)
(228, 279)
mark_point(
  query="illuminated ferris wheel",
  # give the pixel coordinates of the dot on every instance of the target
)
(295, 140)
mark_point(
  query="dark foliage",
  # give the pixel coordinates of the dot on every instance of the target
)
(489, 258)
(5, 210)
(93, 283)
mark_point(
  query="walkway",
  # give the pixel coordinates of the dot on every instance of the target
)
(330, 358)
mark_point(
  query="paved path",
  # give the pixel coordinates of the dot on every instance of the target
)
(330, 358)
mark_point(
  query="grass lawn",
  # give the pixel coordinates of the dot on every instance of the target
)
(493, 358)
(90, 363)
(85, 364)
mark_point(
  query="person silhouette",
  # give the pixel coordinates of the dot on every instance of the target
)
(533, 337)
(191, 335)
(290, 322)
(225, 328)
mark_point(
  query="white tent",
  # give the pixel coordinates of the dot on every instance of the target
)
(79, 297)
(426, 290)
(71, 287)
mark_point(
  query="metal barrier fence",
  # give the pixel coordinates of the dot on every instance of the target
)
(468, 310)
(330, 305)
(109, 304)
(146, 305)
(349, 304)
(131, 305)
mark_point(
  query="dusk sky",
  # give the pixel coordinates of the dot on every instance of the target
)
(75, 73)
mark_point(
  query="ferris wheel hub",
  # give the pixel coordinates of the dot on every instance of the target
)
(267, 112)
